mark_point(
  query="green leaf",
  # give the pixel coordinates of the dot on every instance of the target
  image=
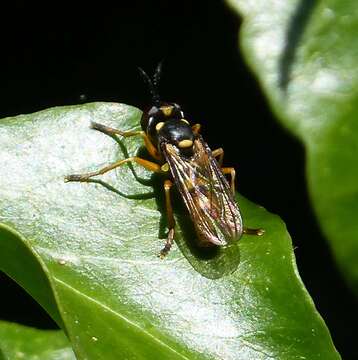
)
(304, 56)
(21, 342)
(94, 249)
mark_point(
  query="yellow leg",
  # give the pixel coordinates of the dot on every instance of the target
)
(196, 128)
(171, 221)
(232, 172)
(111, 131)
(220, 154)
(149, 165)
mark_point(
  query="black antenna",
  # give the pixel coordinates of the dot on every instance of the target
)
(153, 85)
(157, 74)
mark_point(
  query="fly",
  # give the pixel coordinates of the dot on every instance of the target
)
(183, 157)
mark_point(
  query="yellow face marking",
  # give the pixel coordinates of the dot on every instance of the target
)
(185, 143)
(186, 121)
(167, 110)
(165, 167)
(159, 125)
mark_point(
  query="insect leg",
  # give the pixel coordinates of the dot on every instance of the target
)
(232, 172)
(111, 131)
(220, 154)
(149, 165)
(249, 231)
(150, 147)
(171, 221)
(196, 128)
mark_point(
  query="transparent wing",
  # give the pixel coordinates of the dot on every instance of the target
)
(206, 193)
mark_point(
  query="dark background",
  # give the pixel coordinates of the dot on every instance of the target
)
(59, 55)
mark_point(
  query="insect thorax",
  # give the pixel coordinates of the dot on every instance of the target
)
(166, 124)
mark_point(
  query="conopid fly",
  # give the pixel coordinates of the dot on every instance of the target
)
(183, 157)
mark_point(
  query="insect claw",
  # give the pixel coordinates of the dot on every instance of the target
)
(164, 252)
(168, 244)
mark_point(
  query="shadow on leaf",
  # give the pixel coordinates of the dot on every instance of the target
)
(294, 34)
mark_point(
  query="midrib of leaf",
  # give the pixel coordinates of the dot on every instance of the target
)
(119, 316)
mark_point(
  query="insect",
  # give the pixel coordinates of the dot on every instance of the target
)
(182, 156)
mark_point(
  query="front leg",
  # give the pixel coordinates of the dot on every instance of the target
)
(111, 132)
(149, 165)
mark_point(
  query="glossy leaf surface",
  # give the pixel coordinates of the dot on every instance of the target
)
(93, 248)
(20, 342)
(304, 55)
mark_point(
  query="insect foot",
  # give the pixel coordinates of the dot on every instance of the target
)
(258, 232)
(164, 252)
(69, 178)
